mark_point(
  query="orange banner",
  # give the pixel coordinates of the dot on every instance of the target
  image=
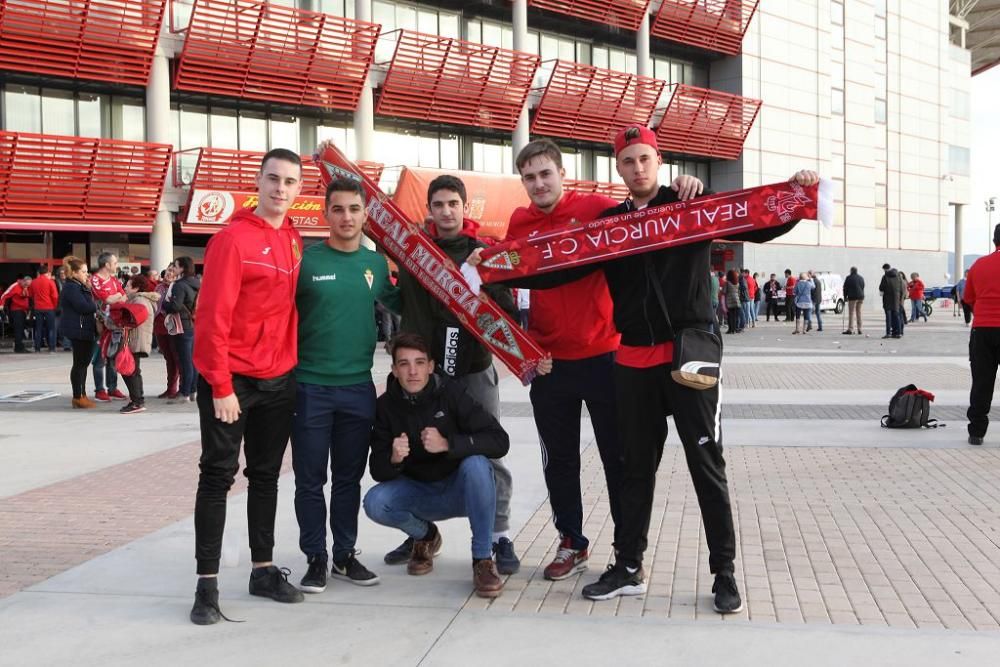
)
(492, 198)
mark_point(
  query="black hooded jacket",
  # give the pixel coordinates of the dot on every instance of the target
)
(468, 427)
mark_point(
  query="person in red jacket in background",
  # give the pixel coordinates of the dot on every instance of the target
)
(19, 297)
(982, 294)
(915, 290)
(245, 350)
(106, 289)
(46, 297)
(574, 324)
(789, 296)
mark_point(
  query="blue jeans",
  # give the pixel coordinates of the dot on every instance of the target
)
(917, 310)
(45, 322)
(409, 505)
(804, 313)
(184, 346)
(331, 427)
(893, 324)
(105, 375)
(819, 318)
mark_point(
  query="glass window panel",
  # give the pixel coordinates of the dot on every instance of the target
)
(880, 195)
(599, 57)
(880, 111)
(132, 120)
(837, 101)
(429, 154)
(253, 132)
(616, 60)
(335, 7)
(384, 14)
(448, 25)
(427, 21)
(879, 7)
(959, 104)
(837, 37)
(175, 122)
(676, 73)
(285, 132)
(225, 131)
(837, 13)
(880, 27)
(958, 160)
(583, 52)
(631, 63)
(550, 47)
(567, 50)
(406, 17)
(507, 37)
(194, 127)
(449, 152)
(90, 111)
(492, 34)
(22, 107)
(58, 112)
(474, 30)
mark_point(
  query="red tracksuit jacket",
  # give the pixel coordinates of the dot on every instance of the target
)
(982, 290)
(43, 291)
(246, 318)
(573, 321)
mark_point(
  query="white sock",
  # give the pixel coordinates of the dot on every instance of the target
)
(497, 536)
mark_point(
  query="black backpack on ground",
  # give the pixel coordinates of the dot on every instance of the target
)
(910, 408)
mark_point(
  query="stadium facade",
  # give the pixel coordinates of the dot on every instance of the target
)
(119, 117)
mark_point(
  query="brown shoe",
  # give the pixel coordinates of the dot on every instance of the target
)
(83, 403)
(485, 579)
(424, 551)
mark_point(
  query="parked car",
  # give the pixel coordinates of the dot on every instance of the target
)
(833, 292)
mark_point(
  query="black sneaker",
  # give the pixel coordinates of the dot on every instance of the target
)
(132, 408)
(206, 602)
(503, 553)
(727, 596)
(400, 554)
(272, 582)
(315, 579)
(353, 571)
(617, 580)
(975, 440)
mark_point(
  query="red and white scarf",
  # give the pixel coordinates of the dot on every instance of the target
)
(713, 217)
(414, 251)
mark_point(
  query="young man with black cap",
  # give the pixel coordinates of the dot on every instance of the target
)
(656, 295)
(982, 294)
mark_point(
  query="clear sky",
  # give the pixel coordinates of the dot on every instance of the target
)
(985, 160)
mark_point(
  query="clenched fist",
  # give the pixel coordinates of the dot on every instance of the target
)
(400, 448)
(434, 442)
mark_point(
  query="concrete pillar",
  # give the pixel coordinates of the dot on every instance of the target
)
(521, 136)
(958, 268)
(161, 239)
(644, 65)
(364, 115)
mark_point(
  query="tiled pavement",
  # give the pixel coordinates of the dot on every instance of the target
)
(885, 537)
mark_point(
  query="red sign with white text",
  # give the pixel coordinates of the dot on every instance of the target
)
(210, 209)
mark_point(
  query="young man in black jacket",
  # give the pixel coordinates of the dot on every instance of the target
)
(461, 357)
(646, 393)
(854, 293)
(430, 452)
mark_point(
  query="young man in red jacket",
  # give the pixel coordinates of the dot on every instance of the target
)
(982, 294)
(245, 350)
(46, 297)
(573, 323)
(19, 296)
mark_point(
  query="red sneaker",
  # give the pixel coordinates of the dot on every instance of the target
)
(568, 561)
(102, 396)
(118, 395)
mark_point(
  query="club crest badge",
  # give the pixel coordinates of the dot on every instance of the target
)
(490, 326)
(505, 261)
(296, 253)
(786, 203)
(369, 278)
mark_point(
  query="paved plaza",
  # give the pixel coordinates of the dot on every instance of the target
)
(856, 544)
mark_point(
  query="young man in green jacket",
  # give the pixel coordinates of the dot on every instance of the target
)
(459, 355)
(339, 283)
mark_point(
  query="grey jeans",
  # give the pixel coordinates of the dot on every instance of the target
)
(484, 387)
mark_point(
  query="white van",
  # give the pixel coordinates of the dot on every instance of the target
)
(833, 291)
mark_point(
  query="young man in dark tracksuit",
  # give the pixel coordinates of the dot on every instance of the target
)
(646, 393)
(459, 355)
(245, 351)
(982, 294)
(430, 453)
(338, 287)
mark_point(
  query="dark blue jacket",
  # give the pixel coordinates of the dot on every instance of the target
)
(78, 308)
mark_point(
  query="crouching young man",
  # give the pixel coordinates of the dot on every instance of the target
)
(430, 451)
